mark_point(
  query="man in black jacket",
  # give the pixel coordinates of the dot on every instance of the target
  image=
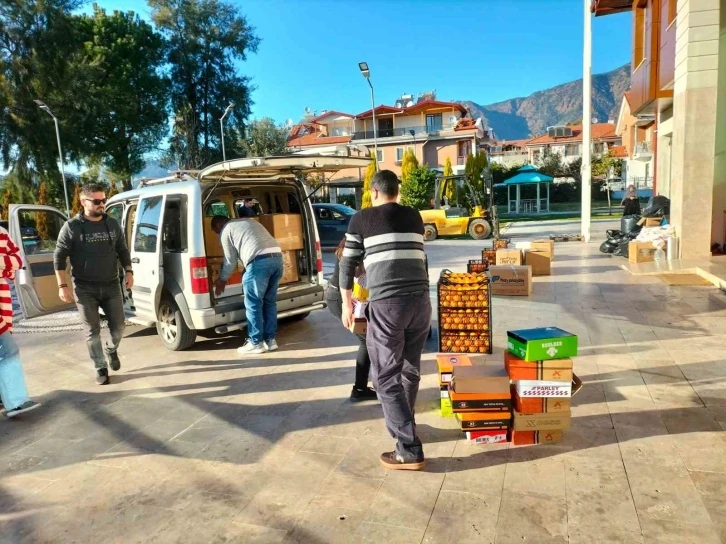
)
(95, 244)
(388, 239)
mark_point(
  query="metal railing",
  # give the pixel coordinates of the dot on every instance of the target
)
(401, 132)
(642, 147)
(640, 182)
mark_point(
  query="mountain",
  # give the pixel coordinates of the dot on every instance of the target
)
(518, 118)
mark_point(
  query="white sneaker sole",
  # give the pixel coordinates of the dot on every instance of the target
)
(272, 349)
(258, 351)
(22, 411)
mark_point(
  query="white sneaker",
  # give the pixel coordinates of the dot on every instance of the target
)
(251, 349)
(271, 345)
(25, 407)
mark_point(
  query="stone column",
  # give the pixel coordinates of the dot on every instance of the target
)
(333, 191)
(694, 127)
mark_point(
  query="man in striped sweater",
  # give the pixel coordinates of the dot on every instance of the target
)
(13, 392)
(388, 240)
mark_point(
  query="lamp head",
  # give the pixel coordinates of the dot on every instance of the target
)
(364, 69)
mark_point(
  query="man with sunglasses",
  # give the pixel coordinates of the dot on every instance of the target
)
(95, 244)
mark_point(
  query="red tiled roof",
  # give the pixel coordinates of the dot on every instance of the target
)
(465, 123)
(379, 109)
(619, 152)
(599, 131)
(416, 108)
(328, 114)
(314, 136)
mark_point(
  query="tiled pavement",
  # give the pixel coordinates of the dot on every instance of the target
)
(202, 447)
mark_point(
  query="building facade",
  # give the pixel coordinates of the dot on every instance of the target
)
(678, 84)
(567, 141)
(637, 148)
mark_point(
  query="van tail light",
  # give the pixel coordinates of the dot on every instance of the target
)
(200, 278)
(318, 257)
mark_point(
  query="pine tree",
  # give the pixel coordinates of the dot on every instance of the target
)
(113, 190)
(408, 165)
(370, 172)
(76, 204)
(450, 185)
(41, 223)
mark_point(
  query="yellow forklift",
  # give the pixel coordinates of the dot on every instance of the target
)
(447, 220)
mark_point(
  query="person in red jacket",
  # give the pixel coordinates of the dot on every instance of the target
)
(13, 391)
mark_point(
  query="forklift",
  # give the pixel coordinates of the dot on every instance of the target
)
(446, 220)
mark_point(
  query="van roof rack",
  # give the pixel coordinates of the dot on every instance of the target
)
(175, 175)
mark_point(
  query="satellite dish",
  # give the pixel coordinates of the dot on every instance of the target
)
(409, 103)
(594, 120)
(307, 109)
(289, 123)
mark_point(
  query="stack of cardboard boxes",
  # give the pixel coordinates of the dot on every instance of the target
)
(539, 364)
(464, 310)
(446, 364)
(509, 277)
(481, 403)
(287, 230)
(539, 256)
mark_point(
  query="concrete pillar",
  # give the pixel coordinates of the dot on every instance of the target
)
(538, 198)
(696, 195)
(333, 191)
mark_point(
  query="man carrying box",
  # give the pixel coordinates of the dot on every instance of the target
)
(388, 239)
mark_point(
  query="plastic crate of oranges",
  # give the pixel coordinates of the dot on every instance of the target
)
(465, 342)
(463, 290)
(475, 266)
(489, 255)
(501, 243)
(464, 320)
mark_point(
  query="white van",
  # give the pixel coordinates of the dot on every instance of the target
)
(175, 254)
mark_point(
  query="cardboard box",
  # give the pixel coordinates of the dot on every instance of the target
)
(289, 267)
(446, 364)
(650, 222)
(642, 252)
(478, 402)
(480, 380)
(557, 421)
(556, 370)
(359, 325)
(540, 389)
(542, 344)
(511, 280)
(544, 245)
(446, 408)
(286, 228)
(528, 438)
(486, 437)
(214, 265)
(539, 405)
(540, 261)
(483, 421)
(509, 257)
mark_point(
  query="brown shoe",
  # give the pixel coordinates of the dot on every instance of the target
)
(391, 461)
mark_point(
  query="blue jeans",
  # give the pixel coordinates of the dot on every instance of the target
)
(89, 298)
(260, 284)
(13, 391)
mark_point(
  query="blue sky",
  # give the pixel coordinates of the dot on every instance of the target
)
(480, 50)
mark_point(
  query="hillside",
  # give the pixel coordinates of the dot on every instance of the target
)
(529, 116)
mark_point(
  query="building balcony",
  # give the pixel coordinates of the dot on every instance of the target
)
(461, 161)
(403, 132)
(642, 152)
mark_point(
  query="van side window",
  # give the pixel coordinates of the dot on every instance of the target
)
(216, 207)
(147, 230)
(129, 226)
(174, 238)
(116, 212)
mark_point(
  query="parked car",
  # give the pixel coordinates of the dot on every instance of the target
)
(176, 255)
(332, 222)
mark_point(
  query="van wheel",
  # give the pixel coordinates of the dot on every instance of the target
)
(430, 233)
(171, 327)
(480, 229)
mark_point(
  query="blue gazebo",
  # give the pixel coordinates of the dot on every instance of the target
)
(528, 175)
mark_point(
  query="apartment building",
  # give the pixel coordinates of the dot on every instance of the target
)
(637, 149)
(508, 152)
(567, 141)
(433, 129)
(678, 83)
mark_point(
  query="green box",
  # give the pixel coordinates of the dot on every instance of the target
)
(542, 344)
(446, 410)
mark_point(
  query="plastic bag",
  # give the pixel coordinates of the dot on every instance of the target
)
(657, 206)
(608, 246)
(12, 380)
(629, 223)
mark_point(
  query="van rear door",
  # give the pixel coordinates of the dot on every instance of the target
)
(146, 258)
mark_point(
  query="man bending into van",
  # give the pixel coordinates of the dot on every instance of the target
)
(95, 244)
(388, 239)
(248, 242)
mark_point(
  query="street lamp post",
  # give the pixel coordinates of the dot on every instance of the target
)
(46, 109)
(221, 128)
(412, 132)
(586, 123)
(367, 74)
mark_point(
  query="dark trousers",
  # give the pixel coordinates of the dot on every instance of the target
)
(107, 296)
(397, 331)
(362, 360)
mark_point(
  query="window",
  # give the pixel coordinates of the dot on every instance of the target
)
(39, 230)
(147, 229)
(433, 122)
(400, 152)
(216, 208)
(116, 212)
(572, 150)
(174, 238)
(379, 155)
